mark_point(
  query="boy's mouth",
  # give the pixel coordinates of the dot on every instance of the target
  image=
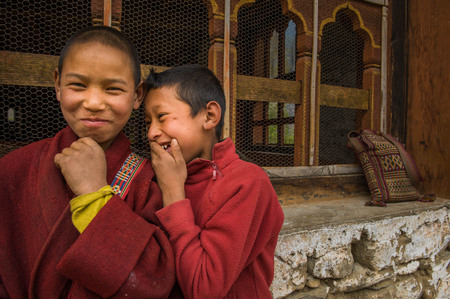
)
(166, 148)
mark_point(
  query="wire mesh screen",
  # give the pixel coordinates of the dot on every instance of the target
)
(166, 33)
(341, 59)
(266, 48)
(170, 33)
(31, 113)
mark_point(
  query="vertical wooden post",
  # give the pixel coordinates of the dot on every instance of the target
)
(107, 13)
(312, 114)
(226, 70)
(384, 45)
(398, 67)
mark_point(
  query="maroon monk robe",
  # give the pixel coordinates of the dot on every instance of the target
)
(121, 253)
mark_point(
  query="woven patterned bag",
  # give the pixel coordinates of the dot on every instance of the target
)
(390, 171)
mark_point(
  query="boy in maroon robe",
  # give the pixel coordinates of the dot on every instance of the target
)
(54, 245)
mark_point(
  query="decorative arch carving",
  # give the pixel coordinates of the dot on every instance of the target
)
(296, 16)
(213, 7)
(358, 24)
(241, 3)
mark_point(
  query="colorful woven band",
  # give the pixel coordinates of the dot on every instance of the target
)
(130, 168)
(410, 166)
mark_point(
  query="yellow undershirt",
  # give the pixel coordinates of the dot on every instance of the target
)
(85, 207)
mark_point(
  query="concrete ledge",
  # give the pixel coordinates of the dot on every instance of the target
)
(310, 215)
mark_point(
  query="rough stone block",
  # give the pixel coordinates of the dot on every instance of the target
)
(287, 278)
(426, 241)
(375, 255)
(360, 278)
(404, 287)
(320, 292)
(435, 276)
(336, 263)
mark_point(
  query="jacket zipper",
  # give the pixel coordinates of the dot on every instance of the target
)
(215, 171)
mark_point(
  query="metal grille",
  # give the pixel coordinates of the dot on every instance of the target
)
(166, 33)
(31, 113)
(266, 48)
(341, 59)
(170, 33)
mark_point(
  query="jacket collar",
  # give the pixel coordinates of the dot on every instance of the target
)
(224, 153)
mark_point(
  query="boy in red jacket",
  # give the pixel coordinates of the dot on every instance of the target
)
(222, 214)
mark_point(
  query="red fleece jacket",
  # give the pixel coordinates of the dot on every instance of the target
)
(42, 255)
(225, 232)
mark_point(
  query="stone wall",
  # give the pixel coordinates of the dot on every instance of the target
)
(353, 251)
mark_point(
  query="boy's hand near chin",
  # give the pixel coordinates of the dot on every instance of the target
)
(83, 165)
(170, 170)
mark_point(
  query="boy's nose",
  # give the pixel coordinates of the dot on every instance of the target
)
(94, 101)
(153, 132)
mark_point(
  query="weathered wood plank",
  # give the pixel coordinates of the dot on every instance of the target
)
(344, 97)
(26, 69)
(428, 89)
(299, 190)
(268, 90)
(145, 69)
(313, 171)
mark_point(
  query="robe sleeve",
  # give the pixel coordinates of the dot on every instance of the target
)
(121, 254)
(3, 293)
(210, 259)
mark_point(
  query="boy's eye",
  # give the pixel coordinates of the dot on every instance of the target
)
(114, 89)
(77, 84)
(161, 115)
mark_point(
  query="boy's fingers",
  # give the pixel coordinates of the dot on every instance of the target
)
(156, 148)
(56, 160)
(85, 142)
(91, 142)
(153, 146)
(88, 141)
(176, 151)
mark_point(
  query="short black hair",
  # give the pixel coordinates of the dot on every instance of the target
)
(195, 85)
(106, 36)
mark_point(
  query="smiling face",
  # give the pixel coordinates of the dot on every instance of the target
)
(96, 91)
(167, 118)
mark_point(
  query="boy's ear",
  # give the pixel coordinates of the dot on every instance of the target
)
(213, 115)
(57, 83)
(139, 95)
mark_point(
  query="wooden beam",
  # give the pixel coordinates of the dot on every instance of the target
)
(107, 13)
(145, 69)
(344, 97)
(27, 69)
(274, 121)
(268, 90)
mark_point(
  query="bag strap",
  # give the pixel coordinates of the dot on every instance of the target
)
(410, 165)
(130, 168)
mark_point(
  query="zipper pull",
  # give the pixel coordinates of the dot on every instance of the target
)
(214, 171)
